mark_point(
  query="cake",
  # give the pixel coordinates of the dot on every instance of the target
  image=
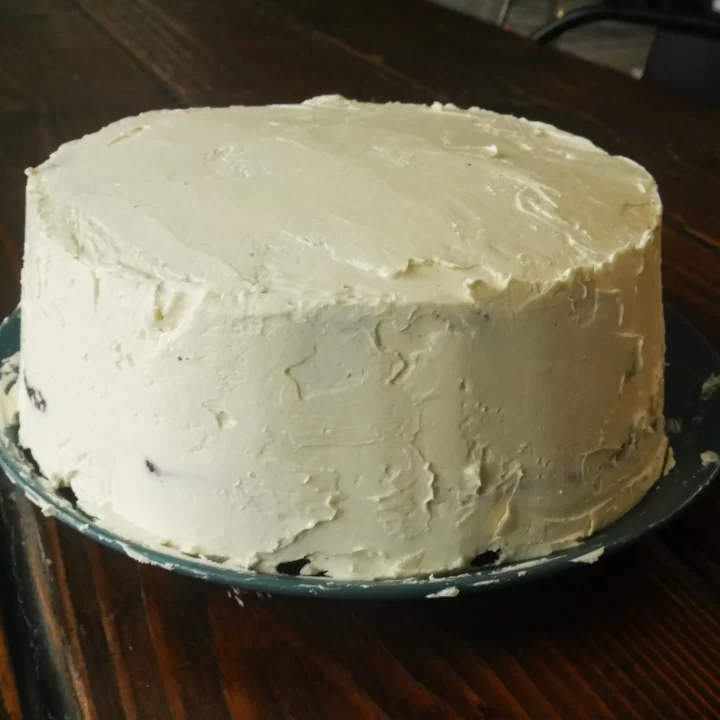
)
(349, 339)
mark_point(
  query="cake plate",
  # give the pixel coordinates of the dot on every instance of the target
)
(692, 406)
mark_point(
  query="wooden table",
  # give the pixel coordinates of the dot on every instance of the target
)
(92, 634)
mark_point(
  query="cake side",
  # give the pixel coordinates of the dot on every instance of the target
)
(396, 427)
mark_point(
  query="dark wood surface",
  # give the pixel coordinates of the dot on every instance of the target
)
(9, 698)
(92, 634)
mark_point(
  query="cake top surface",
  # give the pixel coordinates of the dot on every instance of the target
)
(334, 200)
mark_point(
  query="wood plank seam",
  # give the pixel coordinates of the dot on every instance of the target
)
(78, 671)
(164, 655)
(114, 640)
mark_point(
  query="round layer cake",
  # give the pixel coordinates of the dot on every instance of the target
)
(379, 340)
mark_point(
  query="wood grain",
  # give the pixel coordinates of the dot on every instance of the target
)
(95, 635)
(9, 698)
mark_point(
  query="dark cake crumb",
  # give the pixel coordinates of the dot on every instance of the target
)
(67, 493)
(292, 567)
(31, 461)
(35, 396)
(489, 557)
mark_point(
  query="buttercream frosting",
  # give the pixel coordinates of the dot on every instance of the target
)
(365, 340)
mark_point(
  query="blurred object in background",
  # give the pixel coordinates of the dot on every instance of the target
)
(494, 11)
(616, 45)
(684, 55)
(672, 43)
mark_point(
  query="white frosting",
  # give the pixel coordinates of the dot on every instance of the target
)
(446, 592)
(711, 384)
(589, 558)
(385, 338)
(8, 391)
(670, 463)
